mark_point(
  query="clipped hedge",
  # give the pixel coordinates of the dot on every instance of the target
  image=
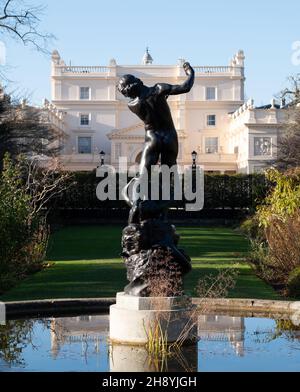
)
(234, 192)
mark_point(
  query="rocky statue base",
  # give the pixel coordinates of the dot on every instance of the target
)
(155, 265)
(133, 319)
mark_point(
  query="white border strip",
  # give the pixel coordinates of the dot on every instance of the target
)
(2, 313)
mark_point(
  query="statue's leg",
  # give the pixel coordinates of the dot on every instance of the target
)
(150, 157)
(126, 195)
(151, 152)
(169, 150)
(169, 156)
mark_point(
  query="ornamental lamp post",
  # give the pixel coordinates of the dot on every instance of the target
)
(194, 169)
(194, 157)
(102, 157)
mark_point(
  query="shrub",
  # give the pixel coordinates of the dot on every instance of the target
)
(279, 216)
(284, 198)
(25, 190)
(259, 258)
(293, 284)
(284, 243)
(251, 229)
(14, 227)
(275, 228)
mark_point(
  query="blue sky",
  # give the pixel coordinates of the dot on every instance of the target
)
(203, 32)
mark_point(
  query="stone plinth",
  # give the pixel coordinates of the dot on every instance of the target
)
(132, 318)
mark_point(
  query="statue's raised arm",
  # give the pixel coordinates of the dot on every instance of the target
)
(169, 89)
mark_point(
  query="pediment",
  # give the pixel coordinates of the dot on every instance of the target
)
(136, 131)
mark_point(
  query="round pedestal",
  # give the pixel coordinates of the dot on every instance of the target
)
(135, 320)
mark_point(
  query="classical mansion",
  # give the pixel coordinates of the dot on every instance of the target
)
(229, 134)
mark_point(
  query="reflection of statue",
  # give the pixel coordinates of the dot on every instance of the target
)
(147, 228)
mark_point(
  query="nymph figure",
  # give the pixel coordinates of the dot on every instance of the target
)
(161, 142)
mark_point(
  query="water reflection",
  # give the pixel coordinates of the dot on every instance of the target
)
(136, 359)
(81, 344)
(15, 336)
(83, 329)
(223, 328)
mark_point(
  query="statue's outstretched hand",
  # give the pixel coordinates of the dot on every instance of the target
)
(188, 68)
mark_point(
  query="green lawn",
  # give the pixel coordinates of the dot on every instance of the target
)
(87, 264)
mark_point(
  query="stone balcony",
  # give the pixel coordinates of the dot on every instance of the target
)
(84, 69)
(164, 71)
(219, 71)
(216, 158)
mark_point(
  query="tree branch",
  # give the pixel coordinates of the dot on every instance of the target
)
(23, 24)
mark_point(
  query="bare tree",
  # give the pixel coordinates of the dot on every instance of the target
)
(44, 184)
(291, 94)
(26, 130)
(289, 141)
(27, 193)
(21, 21)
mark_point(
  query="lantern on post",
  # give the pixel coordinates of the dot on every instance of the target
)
(102, 157)
(194, 158)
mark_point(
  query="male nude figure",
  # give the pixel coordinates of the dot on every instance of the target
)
(161, 141)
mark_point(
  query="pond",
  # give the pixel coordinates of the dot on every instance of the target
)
(226, 343)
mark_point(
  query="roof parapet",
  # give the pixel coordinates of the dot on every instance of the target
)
(249, 105)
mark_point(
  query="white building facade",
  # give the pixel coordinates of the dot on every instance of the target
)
(229, 134)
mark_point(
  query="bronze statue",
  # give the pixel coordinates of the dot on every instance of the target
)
(149, 233)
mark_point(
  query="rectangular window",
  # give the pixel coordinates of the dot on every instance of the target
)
(262, 146)
(84, 120)
(211, 120)
(84, 318)
(258, 169)
(84, 93)
(211, 145)
(118, 150)
(211, 93)
(84, 145)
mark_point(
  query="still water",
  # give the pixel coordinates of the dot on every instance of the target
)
(81, 344)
